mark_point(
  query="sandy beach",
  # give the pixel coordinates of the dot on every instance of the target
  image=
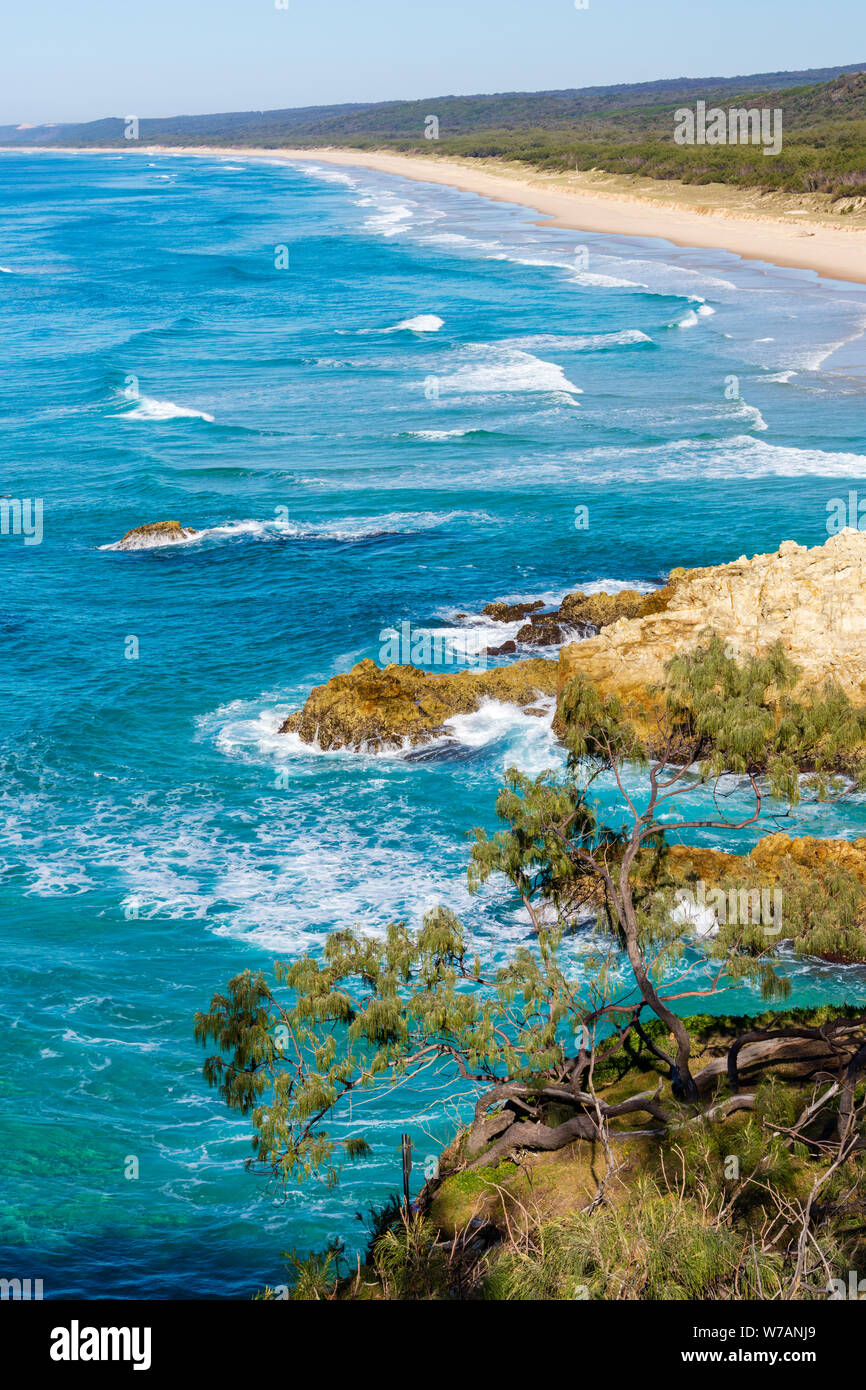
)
(785, 230)
(799, 237)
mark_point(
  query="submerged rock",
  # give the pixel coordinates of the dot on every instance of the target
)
(155, 533)
(401, 706)
(812, 601)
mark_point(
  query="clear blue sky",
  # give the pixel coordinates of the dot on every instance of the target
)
(69, 60)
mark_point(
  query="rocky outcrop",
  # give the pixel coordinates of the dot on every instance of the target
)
(579, 614)
(767, 860)
(600, 610)
(370, 708)
(510, 612)
(812, 601)
(155, 533)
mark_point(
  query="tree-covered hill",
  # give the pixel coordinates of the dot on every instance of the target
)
(624, 129)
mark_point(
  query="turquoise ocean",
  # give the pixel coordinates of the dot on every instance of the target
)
(377, 401)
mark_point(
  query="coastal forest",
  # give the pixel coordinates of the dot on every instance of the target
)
(626, 129)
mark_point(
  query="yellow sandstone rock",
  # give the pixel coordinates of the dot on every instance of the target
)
(400, 706)
(813, 601)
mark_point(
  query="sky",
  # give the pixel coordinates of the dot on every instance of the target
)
(63, 61)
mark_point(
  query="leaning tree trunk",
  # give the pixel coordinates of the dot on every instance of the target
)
(682, 1081)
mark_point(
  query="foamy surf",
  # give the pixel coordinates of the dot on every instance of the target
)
(347, 529)
(390, 216)
(740, 457)
(694, 316)
(438, 435)
(154, 542)
(528, 740)
(149, 408)
(587, 342)
(576, 274)
(421, 323)
(496, 632)
(493, 369)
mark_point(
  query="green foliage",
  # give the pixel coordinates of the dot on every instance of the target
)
(660, 1247)
(409, 1261)
(370, 1012)
(626, 129)
(313, 1278)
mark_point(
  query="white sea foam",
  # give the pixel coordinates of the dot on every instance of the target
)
(664, 278)
(421, 323)
(587, 342)
(325, 174)
(578, 276)
(740, 457)
(344, 529)
(149, 408)
(390, 216)
(438, 434)
(495, 720)
(751, 413)
(154, 542)
(490, 368)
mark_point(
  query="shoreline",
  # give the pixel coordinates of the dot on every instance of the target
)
(587, 203)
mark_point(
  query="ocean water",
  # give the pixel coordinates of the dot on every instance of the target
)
(397, 425)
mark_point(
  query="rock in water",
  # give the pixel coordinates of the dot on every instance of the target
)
(599, 610)
(579, 615)
(812, 601)
(400, 706)
(153, 534)
(510, 612)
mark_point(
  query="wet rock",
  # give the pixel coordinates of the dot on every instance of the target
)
(401, 706)
(511, 612)
(544, 631)
(155, 533)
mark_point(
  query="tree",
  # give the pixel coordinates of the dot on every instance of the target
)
(532, 1037)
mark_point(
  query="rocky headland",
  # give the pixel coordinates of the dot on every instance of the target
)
(371, 709)
(813, 601)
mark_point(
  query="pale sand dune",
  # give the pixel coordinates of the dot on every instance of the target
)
(788, 230)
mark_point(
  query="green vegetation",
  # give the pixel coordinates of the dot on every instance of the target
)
(625, 130)
(736, 1144)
